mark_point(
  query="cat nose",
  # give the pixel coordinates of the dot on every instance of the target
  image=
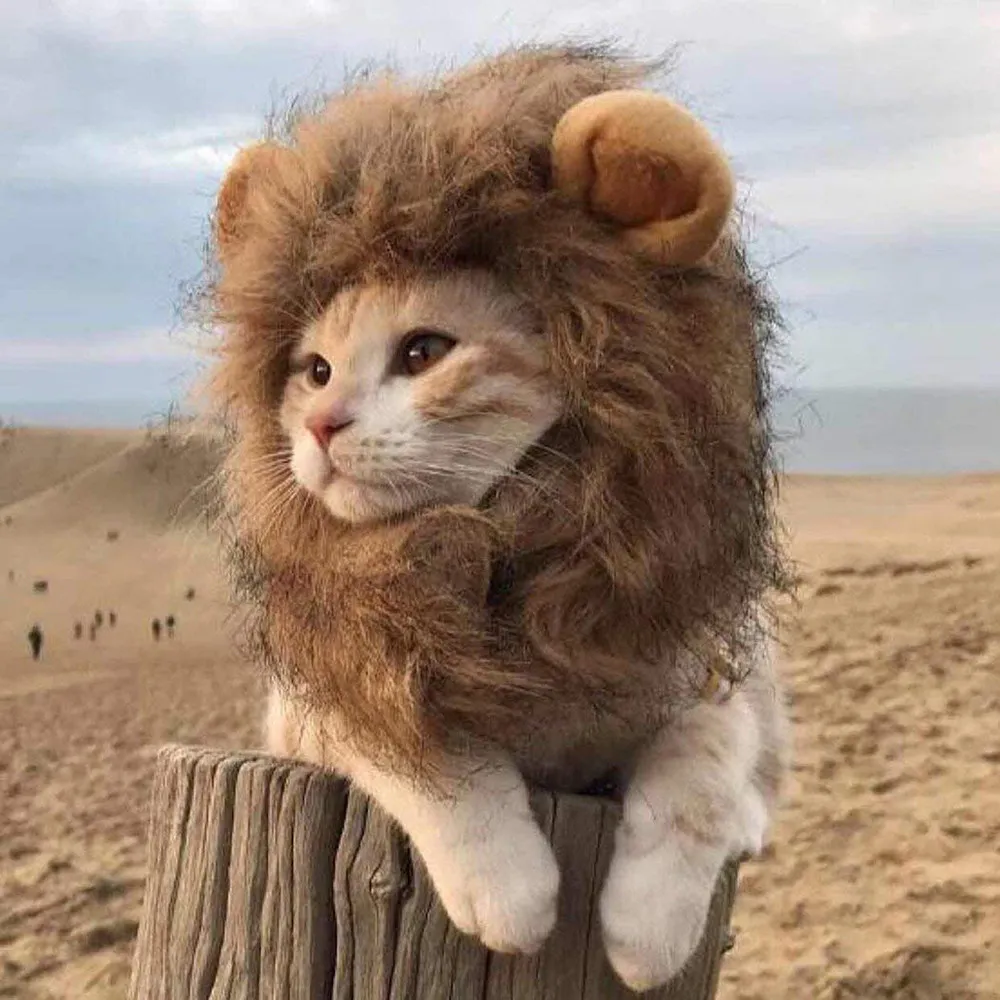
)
(330, 421)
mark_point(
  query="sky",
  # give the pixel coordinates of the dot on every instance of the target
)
(865, 135)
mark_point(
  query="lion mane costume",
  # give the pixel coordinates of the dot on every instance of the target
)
(626, 561)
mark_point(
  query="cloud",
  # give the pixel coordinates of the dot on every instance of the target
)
(199, 150)
(934, 189)
(127, 22)
(108, 349)
(865, 130)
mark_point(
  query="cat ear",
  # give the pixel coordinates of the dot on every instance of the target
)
(643, 161)
(250, 165)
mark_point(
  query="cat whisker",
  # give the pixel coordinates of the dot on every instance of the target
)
(405, 499)
(214, 481)
(490, 442)
(494, 437)
(491, 464)
(274, 499)
(279, 468)
(282, 454)
(278, 502)
(272, 461)
(435, 471)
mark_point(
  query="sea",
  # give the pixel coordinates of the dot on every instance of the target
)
(861, 431)
(893, 431)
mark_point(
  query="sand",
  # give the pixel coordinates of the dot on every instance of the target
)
(883, 877)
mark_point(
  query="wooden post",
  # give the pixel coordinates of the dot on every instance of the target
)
(273, 880)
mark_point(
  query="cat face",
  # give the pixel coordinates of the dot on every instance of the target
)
(403, 397)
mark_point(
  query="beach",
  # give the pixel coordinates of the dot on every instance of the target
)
(882, 871)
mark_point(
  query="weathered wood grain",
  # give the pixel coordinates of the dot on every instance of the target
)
(272, 880)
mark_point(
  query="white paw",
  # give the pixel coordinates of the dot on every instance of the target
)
(653, 910)
(752, 819)
(504, 889)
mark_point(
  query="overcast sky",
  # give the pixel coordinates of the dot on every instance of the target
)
(866, 135)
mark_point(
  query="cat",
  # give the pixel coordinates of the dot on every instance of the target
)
(405, 396)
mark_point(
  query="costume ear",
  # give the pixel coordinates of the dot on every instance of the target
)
(249, 166)
(645, 162)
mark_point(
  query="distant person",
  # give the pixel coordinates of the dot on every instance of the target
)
(98, 619)
(35, 641)
(112, 619)
(170, 622)
(93, 631)
(156, 629)
(10, 576)
(78, 630)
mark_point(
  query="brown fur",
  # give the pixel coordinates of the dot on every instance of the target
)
(550, 619)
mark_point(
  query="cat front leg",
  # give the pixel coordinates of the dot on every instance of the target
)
(700, 793)
(491, 866)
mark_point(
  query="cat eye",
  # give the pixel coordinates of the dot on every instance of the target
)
(319, 370)
(421, 349)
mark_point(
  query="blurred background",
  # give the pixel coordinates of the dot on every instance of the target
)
(865, 134)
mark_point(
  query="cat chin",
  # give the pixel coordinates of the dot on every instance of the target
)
(348, 499)
(345, 498)
(354, 502)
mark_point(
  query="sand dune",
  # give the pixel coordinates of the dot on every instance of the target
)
(32, 459)
(154, 481)
(882, 880)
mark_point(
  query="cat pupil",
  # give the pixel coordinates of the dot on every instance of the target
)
(319, 370)
(423, 349)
